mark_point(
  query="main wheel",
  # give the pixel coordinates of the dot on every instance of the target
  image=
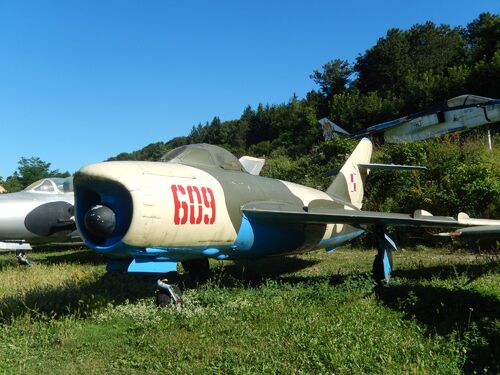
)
(163, 299)
(198, 269)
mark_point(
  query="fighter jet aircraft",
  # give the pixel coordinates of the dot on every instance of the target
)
(198, 202)
(41, 213)
(454, 115)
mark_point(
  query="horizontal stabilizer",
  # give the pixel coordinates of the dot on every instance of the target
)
(464, 219)
(326, 123)
(374, 166)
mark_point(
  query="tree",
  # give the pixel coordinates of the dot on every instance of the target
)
(485, 77)
(335, 77)
(12, 184)
(383, 66)
(258, 125)
(355, 111)
(483, 35)
(404, 56)
(435, 48)
(33, 169)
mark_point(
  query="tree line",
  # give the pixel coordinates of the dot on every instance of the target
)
(28, 171)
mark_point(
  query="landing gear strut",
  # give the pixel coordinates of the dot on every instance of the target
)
(382, 265)
(168, 295)
(22, 258)
(198, 270)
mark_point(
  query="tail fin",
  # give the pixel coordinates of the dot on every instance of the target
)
(349, 183)
(330, 127)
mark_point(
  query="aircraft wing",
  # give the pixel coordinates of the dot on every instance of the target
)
(289, 214)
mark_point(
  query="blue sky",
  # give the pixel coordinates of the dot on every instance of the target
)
(83, 80)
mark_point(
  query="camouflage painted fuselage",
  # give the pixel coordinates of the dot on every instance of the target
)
(172, 212)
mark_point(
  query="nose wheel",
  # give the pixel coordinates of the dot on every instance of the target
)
(168, 295)
(22, 258)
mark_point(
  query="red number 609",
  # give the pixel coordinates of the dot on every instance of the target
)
(193, 202)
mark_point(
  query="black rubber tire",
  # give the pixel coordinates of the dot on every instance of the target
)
(163, 299)
(198, 269)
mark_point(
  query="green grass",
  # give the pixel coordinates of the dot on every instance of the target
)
(313, 313)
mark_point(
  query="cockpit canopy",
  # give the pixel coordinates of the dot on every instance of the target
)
(52, 185)
(467, 100)
(203, 155)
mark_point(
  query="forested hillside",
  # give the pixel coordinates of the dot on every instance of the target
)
(404, 72)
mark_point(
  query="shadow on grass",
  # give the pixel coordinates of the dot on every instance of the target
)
(81, 256)
(81, 298)
(255, 272)
(444, 311)
(53, 255)
(473, 271)
(448, 311)
(64, 246)
(76, 297)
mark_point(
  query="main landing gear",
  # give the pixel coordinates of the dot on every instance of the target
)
(168, 294)
(198, 271)
(382, 265)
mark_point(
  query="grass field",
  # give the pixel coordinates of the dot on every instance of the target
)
(309, 314)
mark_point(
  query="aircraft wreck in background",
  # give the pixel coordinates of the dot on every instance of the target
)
(454, 115)
(41, 213)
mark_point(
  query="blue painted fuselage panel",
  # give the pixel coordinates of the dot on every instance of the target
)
(257, 239)
(254, 240)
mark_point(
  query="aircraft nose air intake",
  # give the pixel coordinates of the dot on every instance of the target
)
(100, 221)
(103, 208)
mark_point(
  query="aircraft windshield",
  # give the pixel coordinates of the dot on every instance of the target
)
(203, 154)
(52, 185)
(46, 187)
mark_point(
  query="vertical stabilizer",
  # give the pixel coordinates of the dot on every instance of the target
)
(349, 183)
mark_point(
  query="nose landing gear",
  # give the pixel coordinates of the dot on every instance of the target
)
(168, 295)
(22, 258)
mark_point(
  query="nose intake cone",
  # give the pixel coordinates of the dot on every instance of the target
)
(100, 221)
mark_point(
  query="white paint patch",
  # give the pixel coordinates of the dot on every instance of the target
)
(306, 194)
